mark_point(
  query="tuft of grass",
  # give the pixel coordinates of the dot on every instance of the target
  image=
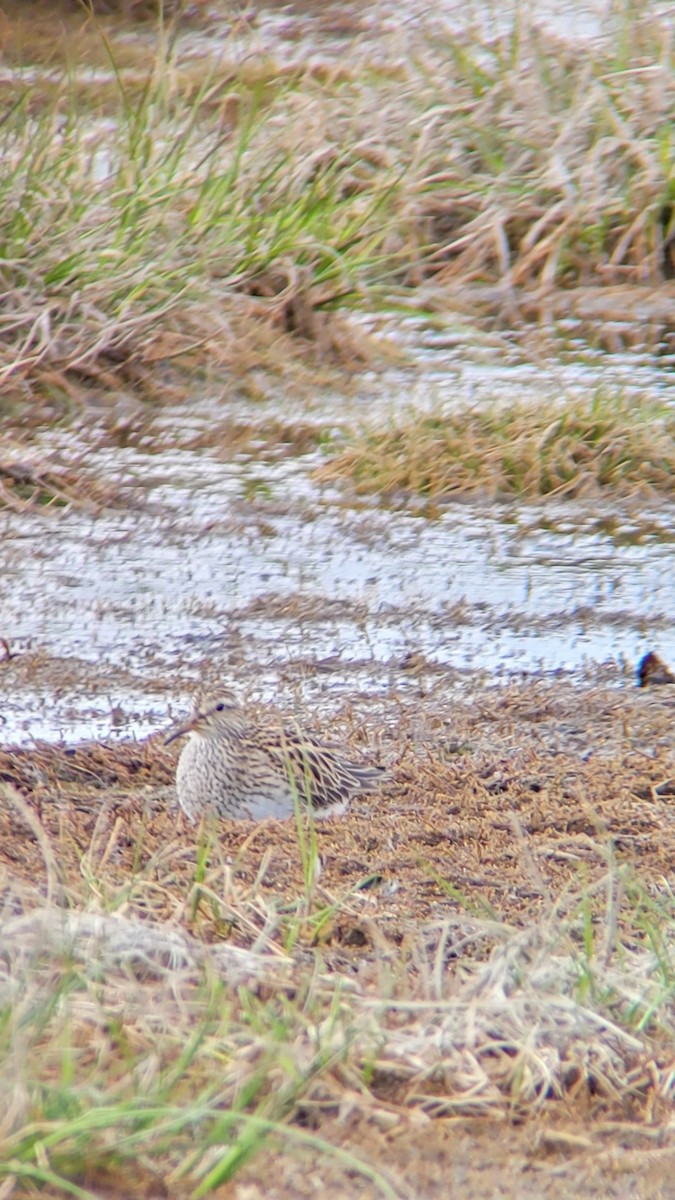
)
(264, 440)
(132, 226)
(27, 483)
(606, 445)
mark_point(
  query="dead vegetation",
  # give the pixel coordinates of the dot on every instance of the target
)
(29, 481)
(185, 207)
(263, 440)
(609, 444)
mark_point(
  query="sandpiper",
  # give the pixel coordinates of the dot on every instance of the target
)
(234, 768)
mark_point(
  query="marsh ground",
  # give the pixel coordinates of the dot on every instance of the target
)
(534, 822)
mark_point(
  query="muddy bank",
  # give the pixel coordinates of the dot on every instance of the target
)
(506, 799)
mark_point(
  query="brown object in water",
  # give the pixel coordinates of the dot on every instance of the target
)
(652, 670)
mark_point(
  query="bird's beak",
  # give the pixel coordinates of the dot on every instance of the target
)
(183, 728)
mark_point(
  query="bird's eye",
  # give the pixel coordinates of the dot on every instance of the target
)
(220, 707)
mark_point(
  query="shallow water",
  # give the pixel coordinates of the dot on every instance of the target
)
(294, 593)
(248, 569)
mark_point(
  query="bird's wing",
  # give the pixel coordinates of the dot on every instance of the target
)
(317, 769)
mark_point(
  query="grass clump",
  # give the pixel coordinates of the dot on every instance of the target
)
(169, 221)
(28, 482)
(264, 440)
(211, 212)
(608, 445)
(129, 1050)
(549, 159)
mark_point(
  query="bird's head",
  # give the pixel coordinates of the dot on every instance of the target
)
(215, 712)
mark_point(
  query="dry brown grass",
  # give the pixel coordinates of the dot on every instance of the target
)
(29, 481)
(609, 445)
(199, 200)
(264, 440)
(545, 157)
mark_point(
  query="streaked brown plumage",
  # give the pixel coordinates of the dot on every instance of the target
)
(238, 769)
